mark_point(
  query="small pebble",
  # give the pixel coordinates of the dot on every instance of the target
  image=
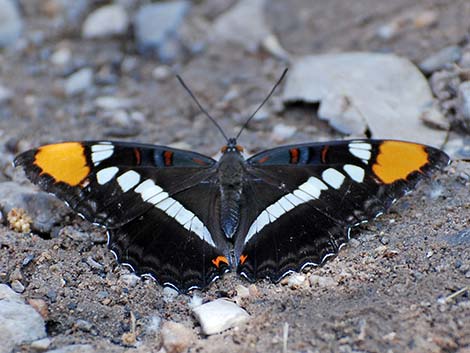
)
(41, 345)
(219, 315)
(106, 21)
(297, 280)
(169, 294)
(322, 281)
(156, 28)
(463, 102)
(282, 132)
(6, 293)
(426, 19)
(440, 59)
(78, 82)
(154, 325)
(40, 306)
(5, 94)
(162, 73)
(389, 30)
(83, 325)
(130, 280)
(61, 57)
(17, 286)
(176, 337)
(196, 300)
(242, 291)
(113, 103)
(11, 23)
(94, 264)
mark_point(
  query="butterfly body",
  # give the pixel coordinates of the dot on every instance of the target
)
(186, 219)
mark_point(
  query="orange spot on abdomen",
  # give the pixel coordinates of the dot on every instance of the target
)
(64, 162)
(397, 160)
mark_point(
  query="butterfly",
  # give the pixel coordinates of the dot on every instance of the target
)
(185, 219)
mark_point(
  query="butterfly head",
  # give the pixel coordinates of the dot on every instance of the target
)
(231, 147)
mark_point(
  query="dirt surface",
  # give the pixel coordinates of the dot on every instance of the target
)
(390, 283)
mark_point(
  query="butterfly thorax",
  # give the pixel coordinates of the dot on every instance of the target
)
(230, 173)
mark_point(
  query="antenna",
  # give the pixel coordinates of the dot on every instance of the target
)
(263, 102)
(201, 108)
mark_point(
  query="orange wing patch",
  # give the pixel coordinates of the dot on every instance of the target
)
(243, 258)
(218, 260)
(65, 162)
(396, 160)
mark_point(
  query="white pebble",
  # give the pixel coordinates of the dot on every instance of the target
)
(322, 281)
(219, 315)
(176, 337)
(78, 82)
(106, 21)
(282, 132)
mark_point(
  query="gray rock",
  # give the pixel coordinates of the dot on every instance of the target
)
(41, 345)
(78, 82)
(113, 103)
(342, 115)
(106, 21)
(74, 348)
(156, 28)
(219, 315)
(297, 280)
(322, 281)
(176, 337)
(463, 103)
(6, 293)
(10, 23)
(45, 210)
(282, 132)
(243, 24)
(169, 294)
(17, 286)
(61, 56)
(389, 92)
(5, 94)
(19, 323)
(441, 59)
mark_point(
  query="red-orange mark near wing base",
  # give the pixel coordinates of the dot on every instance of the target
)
(324, 151)
(294, 155)
(243, 258)
(224, 149)
(218, 260)
(64, 162)
(239, 148)
(168, 158)
(199, 161)
(263, 160)
(138, 157)
(397, 160)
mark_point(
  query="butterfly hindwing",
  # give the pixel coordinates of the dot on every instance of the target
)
(142, 195)
(323, 190)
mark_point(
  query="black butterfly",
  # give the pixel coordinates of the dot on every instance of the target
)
(186, 219)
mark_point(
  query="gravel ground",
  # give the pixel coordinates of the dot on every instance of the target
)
(389, 290)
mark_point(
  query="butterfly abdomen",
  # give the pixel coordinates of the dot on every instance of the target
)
(230, 173)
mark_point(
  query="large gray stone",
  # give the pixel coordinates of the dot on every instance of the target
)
(387, 91)
(19, 322)
(10, 23)
(156, 28)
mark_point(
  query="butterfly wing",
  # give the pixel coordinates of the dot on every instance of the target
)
(152, 199)
(317, 192)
